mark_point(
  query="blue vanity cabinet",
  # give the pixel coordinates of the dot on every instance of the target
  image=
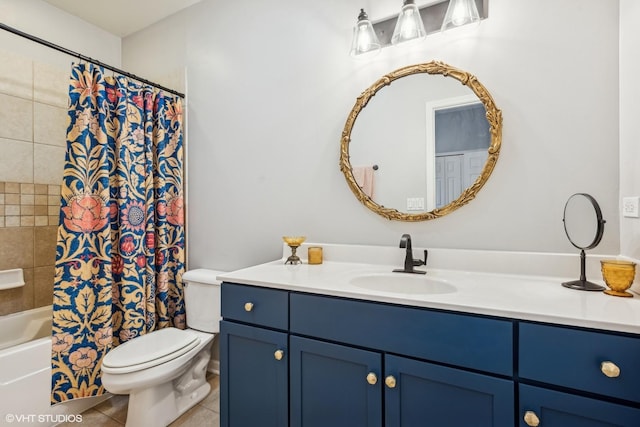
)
(309, 360)
(334, 385)
(420, 394)
(361, 363)
(254, 374)
(578, 377)
(550, 408)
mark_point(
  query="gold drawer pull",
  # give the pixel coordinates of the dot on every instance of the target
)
(390, 381)
(278, 355)
(610, 369)
(531, 419)
(248, 306)
(372, 378)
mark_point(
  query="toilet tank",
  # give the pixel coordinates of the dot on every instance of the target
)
(202, 299)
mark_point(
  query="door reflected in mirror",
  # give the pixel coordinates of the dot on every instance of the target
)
(433, 132)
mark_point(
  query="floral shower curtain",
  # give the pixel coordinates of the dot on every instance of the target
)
(120, 251)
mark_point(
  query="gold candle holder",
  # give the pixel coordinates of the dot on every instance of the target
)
(315, 255)
(619, 276)
(294, 243)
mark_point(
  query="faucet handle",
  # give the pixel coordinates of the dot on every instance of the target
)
(419, 262)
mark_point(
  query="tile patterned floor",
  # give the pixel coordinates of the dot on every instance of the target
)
(113, 412)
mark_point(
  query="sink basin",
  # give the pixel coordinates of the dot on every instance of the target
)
(402, 283)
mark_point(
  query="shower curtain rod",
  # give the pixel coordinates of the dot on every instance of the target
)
(86, 58)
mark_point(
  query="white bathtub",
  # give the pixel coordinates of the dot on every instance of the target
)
(25, 373)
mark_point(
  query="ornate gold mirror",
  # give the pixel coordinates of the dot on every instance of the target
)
(425, 146)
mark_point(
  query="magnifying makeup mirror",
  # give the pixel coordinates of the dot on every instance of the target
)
(584, 226)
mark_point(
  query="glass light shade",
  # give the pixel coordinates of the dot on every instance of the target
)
(364, 37)
(409, 25)
(460, 12)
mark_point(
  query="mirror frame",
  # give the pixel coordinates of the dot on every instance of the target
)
(494, 117)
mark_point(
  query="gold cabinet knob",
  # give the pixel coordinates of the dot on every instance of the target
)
(278, 355)
(610, 369)
(390, 381)
(531, 419)
(372, 378)
(248, 306)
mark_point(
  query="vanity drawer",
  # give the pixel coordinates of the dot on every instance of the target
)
(574, 358)
(255, 305)
(474, 342)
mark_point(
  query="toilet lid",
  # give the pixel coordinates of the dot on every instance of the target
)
(149, 350)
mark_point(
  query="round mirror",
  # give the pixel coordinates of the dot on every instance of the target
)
(424, 146)
(584, 227)
(583, 221)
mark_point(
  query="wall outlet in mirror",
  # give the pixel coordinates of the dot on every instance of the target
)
(415, 203)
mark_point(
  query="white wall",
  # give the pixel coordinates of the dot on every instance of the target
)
(270, 85)
(629, 115)
(42, 20)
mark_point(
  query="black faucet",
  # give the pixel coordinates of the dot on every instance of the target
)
(409, 262)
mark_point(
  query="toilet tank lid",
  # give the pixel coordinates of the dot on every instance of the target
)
(202, 275)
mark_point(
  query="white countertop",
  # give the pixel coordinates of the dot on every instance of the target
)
(518, 296)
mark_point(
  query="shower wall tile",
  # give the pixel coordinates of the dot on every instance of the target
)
(27, 241)
(16, 249)
(28, 205)
(50, 124)
(48, 163)
(43, 285)
(12, 187)
(11, 221)
(33, 119)
(12, 210)
(50, 84)
(45, 246)
(16, 160)
(28, 289)
(16, 117)
(16, 75)
(18, 299)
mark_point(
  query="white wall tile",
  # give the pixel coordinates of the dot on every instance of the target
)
(51, 84)
(48, 163)
(16, 116)
(16, 161)
(49, 124)
(16, 75)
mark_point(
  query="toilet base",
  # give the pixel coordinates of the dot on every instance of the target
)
(164, 403)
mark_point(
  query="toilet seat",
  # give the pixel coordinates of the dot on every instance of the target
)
(149, 350)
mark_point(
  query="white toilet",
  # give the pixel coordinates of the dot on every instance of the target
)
(164, 372)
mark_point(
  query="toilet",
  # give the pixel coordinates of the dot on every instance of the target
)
(164, 371)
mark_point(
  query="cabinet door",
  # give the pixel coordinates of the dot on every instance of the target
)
(556, 409)
(253, 376)
(331, 385)
(420, 394)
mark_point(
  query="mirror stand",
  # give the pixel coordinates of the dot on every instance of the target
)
(584, 226)
(582, 284)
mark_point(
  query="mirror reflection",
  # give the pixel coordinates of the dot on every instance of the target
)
(582, 221)
(425, 143)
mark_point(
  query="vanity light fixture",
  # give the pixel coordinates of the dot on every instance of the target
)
(415, 23)
(409, 25)
(364, 37)
(459, 13)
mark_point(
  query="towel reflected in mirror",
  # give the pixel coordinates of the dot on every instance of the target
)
(365, 177)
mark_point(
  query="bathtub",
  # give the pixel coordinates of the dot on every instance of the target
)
(25, 373)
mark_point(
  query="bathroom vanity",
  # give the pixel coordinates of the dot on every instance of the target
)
(350, 344)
